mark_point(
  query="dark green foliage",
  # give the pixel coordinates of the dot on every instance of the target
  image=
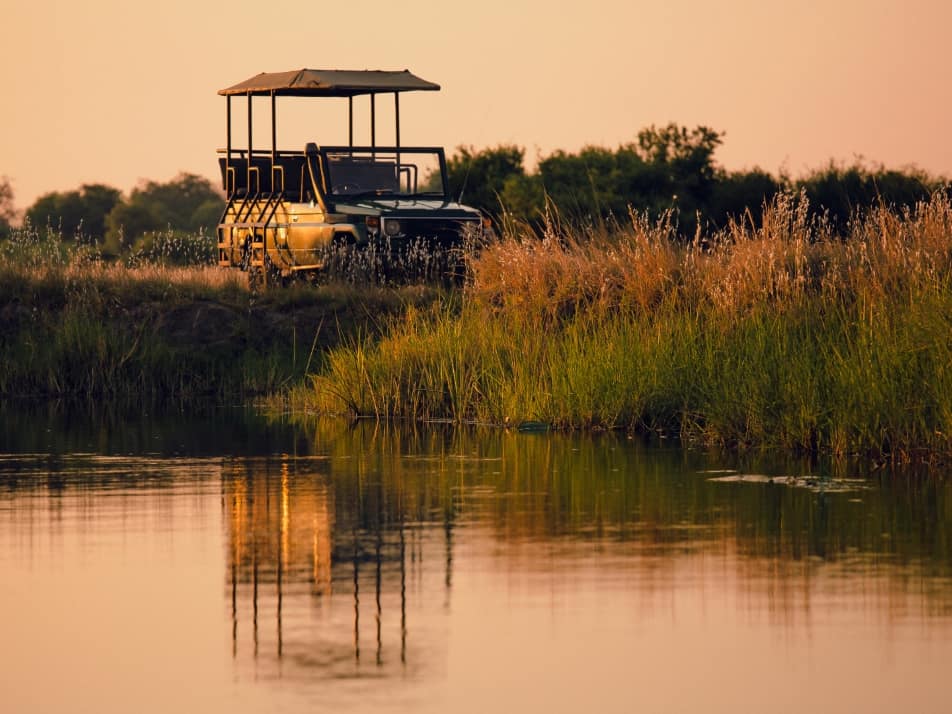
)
(187, 203)
(668, 169)
(741, 194)
(480, 176)
(841, 191)
(7, 210)
(127, 221)
(75, 213)
(588, 183)
(684, 162)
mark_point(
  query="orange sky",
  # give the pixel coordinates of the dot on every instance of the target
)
(114, 92)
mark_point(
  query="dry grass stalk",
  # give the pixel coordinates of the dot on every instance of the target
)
(785, 259)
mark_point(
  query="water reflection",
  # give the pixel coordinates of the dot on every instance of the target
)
(306, 554)
(324, 542)
(367, 566)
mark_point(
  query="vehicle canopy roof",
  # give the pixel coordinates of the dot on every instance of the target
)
(328, 83)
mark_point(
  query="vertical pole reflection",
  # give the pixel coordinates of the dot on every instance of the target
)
(236, 524)
(379, 611)
(356, 601)
(234, 608)
(448, 528)
(284, 528)
(403, 595)
(254, 593)
(280, 598)
(321, 544)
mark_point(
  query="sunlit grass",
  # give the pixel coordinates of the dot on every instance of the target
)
(34, 259)
(778, 332)
(76, 323)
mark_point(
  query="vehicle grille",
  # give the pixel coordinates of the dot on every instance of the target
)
(442, 231)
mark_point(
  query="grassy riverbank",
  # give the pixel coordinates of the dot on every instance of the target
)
(779, 333)
(75, 327)
(773, 332)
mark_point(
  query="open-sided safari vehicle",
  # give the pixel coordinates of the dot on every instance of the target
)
(294, 212)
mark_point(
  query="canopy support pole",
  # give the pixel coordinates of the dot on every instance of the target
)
(248, 163)
(396, 111)
(350, 121)
(274, 130)
(373, 120)
(228, 189)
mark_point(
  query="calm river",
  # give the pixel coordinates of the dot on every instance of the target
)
(229, 564)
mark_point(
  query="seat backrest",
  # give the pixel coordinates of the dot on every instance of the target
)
(296, 180)
(261, 178)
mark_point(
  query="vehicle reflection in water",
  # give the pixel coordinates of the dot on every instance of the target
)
(334, 548)
(319, 574)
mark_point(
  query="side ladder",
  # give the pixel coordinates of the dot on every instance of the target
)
(250, 217)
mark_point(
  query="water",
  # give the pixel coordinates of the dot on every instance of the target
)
(223, 563)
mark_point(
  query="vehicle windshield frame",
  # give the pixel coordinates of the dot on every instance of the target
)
(395, 153)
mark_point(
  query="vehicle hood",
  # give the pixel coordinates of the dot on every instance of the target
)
(406, 208)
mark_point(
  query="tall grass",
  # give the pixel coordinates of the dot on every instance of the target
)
(77, 326)
(147, 329)
(773, 332)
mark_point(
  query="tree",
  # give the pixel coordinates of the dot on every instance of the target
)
(479, 177)
(687, 152)
(8, 212)
(187, 203)
(683, 169)
(75, 213)
(740, 191)
(840, 191)
(98, 201)
(671, 168)
(584, 186)
(523, 196)
(126, 222)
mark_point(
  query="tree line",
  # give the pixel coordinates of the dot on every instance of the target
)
(666, 170)
(184, 206)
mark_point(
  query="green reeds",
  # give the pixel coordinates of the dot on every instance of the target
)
(782, 334)
(74, 325)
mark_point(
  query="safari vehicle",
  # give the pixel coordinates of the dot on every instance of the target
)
(291, 212)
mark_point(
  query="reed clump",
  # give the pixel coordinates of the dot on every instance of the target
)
(778, 331)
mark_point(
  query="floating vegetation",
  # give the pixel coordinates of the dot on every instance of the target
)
(817, 484)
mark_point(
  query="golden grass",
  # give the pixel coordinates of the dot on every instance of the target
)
(775, 331)
(784, 258)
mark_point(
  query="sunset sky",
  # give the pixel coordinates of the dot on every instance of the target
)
(116, 92)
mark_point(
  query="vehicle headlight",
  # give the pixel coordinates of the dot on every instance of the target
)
(392, 227)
